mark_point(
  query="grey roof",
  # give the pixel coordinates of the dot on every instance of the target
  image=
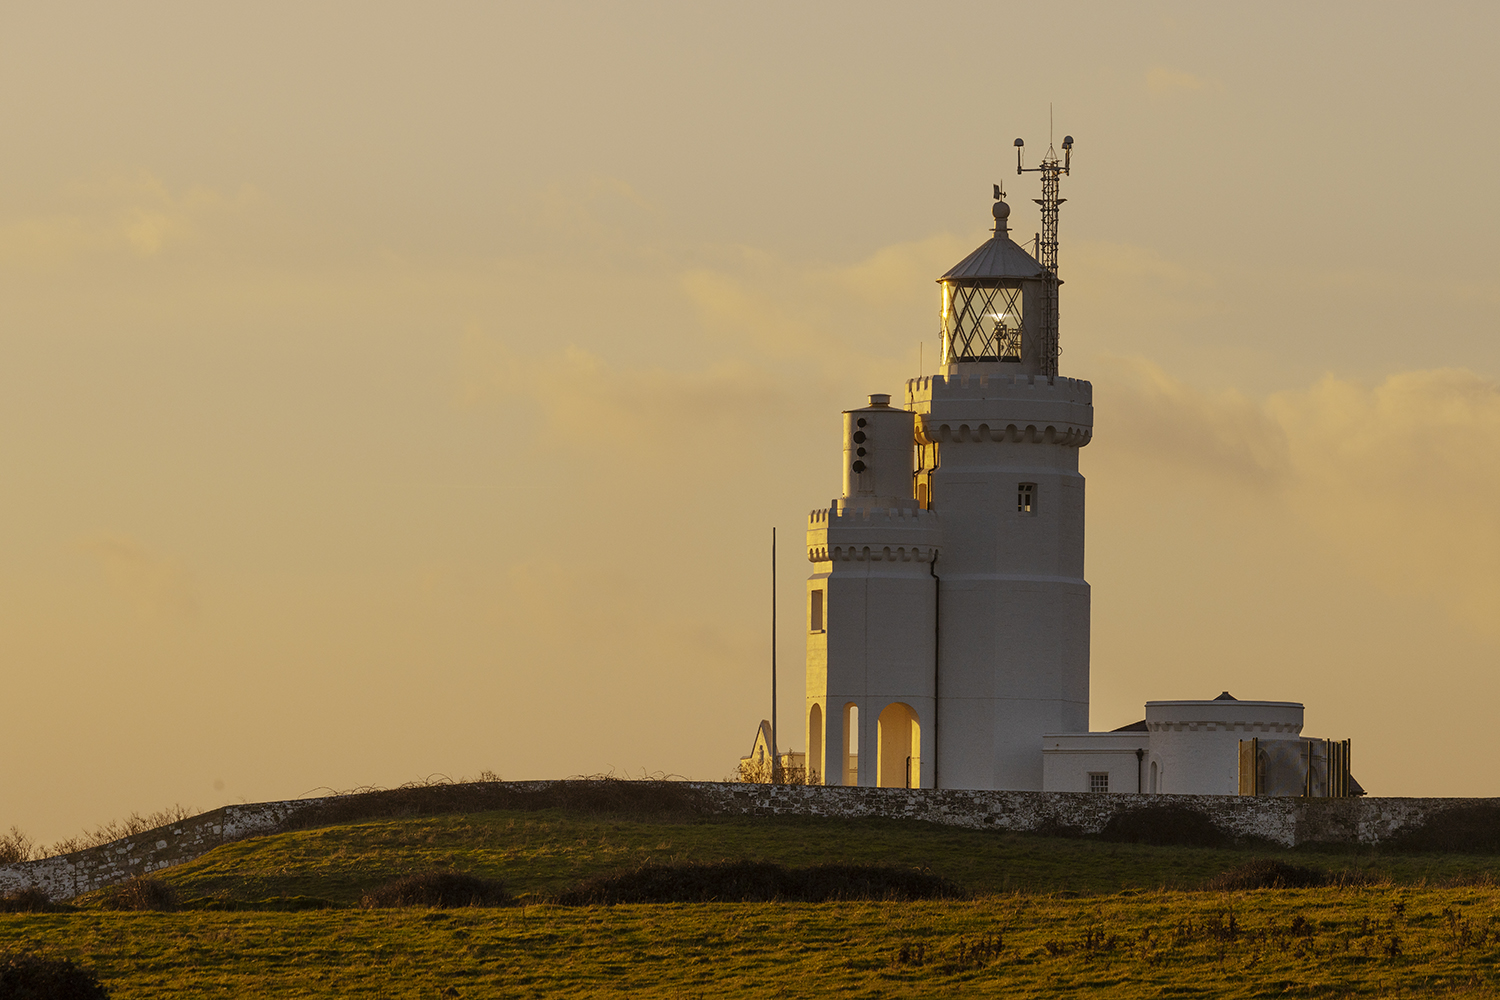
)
(1000, 257)
(1134, 727)
(1226, 696)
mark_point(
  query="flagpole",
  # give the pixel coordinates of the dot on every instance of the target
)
(775, 752)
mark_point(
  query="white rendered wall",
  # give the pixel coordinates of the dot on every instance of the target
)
(1195, 745)
(1014, 645)
(1069, 758)
(872, 554)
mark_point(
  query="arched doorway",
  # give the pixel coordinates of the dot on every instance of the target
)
(815, 748)
(850, 747)
(899, 761)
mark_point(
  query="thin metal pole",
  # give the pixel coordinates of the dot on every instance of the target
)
(775, 753)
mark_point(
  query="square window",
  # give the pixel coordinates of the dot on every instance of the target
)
(1026, 498)
(1099, 781)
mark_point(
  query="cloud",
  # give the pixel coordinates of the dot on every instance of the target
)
(843, 319)
(1225, 436)
(1397, 479)
(1161, 80)
(122, 215)
(1401, 478)
(615, 411)
(159, 588)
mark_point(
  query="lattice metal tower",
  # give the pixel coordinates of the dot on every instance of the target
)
(1051, 170)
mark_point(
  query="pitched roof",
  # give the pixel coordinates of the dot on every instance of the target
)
(998, 257)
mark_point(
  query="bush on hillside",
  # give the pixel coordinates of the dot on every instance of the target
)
(1470, 829)
(28, 900)
(756, 882)
(1268, 873)
(15, 847)
(131, 826)
(1163, 826)
(140, 893)
(25, 976)
(439, 889)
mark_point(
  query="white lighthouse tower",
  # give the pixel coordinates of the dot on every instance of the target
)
(948, 615)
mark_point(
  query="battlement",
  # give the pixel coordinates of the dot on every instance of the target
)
(875, 534)
(953, 409)
(1068, 435)
(999, 386)
(852, 517)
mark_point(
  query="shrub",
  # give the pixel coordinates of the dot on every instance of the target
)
(1268, 873)
(15, 847)
(440, 889)
(25, 976)
(1163, 826)
(1470, 829)
(758, 881)
(140, 893)
(131, 826)
(28, 900)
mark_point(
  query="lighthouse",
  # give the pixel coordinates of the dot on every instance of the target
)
(947, 610)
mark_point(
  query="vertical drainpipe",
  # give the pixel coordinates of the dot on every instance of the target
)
(1140, 757)
(937, 629)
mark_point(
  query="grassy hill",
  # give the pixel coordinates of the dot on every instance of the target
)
(544, 852)
(1049, 917)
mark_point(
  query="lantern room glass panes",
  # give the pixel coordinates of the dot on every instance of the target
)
(981, 323)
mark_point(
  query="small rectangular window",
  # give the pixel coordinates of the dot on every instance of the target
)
(1099, 782)
(1026, 498)
(816, 617)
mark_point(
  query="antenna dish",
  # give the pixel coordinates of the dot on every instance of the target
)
(1020, 142)
(1067, 142)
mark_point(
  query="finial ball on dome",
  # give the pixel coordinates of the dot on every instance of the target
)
(1001, 210)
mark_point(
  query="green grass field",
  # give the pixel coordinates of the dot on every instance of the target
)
(1053, 917)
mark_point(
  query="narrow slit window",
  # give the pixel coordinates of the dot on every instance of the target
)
(1026, 498)
(1098, 781)
(815, 618)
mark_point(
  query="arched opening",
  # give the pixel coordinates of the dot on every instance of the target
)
(851, 744)
(1153, 777)
(900, 737)
(815, 749)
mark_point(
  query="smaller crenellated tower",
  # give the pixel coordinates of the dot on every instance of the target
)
(871, 610)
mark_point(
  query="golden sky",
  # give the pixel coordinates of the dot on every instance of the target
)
(390, 390)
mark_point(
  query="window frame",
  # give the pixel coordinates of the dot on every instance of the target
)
(1026, 499)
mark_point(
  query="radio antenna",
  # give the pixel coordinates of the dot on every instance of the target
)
(1052, 169)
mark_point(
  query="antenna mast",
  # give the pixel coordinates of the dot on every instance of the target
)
(1051, 170)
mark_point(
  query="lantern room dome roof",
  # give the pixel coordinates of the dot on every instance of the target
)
(1000, 257)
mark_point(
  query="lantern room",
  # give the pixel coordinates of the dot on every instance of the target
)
(993, 304)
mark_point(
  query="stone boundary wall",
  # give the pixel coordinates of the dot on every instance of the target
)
(1285, 821)
(70, 875)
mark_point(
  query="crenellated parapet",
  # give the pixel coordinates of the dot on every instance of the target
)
(955, 432)
(873, 534)
(1000, 408)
